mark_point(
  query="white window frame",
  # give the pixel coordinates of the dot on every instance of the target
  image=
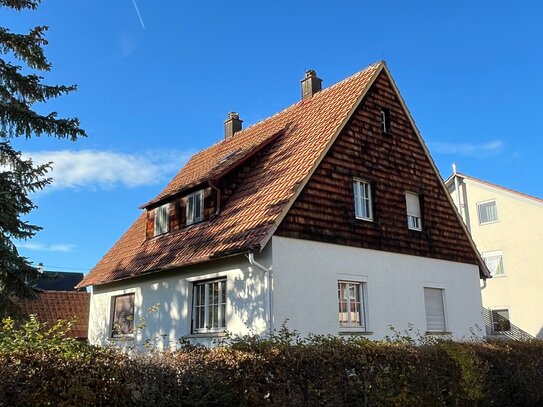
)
(162, 213)
(206, 305)
(495, 253)
(361, 287)
(361, 202)
(385, 120)
(414, 218)
(496, 309)
(191, 216)
(479, 212)
(443, 308)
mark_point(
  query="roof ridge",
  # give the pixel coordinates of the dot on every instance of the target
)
(295, 104)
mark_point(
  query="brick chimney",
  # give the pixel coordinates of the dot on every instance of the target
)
(311, 84)
(232, 125)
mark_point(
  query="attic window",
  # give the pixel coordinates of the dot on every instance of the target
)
(162, 217)
(195, 207)
(227, 157)
(385, 120)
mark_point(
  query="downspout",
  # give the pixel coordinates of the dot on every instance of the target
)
(269, 280)
(214, 187)
(457, 188)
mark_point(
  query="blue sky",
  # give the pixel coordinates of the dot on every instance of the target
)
(153, 91)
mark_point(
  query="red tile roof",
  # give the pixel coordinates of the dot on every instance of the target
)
(301, 136)
(50, 306)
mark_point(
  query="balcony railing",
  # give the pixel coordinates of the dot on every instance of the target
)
(500, 327)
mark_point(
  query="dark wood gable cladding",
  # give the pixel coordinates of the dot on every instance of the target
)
(394, 163)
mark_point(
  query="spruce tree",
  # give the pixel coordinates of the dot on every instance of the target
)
(21, 56)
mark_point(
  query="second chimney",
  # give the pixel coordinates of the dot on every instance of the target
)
(232, 125)
(311, 84)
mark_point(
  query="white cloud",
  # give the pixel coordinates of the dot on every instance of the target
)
(42, 247)
(107, 169)
(469, 149)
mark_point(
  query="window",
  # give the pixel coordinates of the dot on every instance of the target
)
(123, 316)
(488, 212)
(162, 219)
(494, 262)
(351, 304)
(195, 207)
(435, 310)
(362, 200)
(385, 120)
(413, 211)
(209, 306)
(500, 320)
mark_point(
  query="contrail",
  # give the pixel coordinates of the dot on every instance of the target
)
(138, 12)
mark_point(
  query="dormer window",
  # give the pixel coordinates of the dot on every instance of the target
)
(162, 218)
(385, 120)
(195, 207)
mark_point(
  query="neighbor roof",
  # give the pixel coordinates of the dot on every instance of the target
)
(490, 184)
(303, 133)
(50, 306)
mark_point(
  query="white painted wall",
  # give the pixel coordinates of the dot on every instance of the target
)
(305, 276)
(245, 306)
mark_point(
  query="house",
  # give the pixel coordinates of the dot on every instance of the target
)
(507, 227)
(57, 298)
(329, 214)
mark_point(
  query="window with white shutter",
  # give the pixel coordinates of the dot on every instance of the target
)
(414, 217)
(488, 212)
(195, 207)
(162, 219)
(435, 310)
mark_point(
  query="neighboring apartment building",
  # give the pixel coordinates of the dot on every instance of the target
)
(507, 227)
(330, 214)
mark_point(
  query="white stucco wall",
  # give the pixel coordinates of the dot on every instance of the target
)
(305, 276)
(172, 291)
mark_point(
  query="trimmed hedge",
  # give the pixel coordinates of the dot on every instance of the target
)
(253, 372)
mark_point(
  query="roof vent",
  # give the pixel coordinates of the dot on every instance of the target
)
(232, 125)
(311, 84)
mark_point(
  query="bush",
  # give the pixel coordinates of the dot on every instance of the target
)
(282, 370)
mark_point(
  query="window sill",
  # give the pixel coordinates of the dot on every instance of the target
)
(354, 332)
(438, 333)
(218, 334)
(488, 223)
(126, 338)
(364, 219)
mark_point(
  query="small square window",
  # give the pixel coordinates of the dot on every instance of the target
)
(209, 306)
(435, 310)
(494, 262)
(385, 120)
(487, 212)
(123, 316)
(195, 207)
(351, 304)
(362, 200)
(162, 219)
(500, 320)
(414, 219)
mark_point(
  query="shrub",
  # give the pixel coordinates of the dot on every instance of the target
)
(278, 371)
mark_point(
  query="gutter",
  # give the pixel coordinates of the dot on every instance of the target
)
(269, 281)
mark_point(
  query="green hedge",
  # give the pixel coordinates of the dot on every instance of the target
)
(44, 369)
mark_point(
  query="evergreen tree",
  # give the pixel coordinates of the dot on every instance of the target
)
(19, 92)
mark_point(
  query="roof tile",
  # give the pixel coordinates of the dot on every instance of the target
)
(253, 211)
